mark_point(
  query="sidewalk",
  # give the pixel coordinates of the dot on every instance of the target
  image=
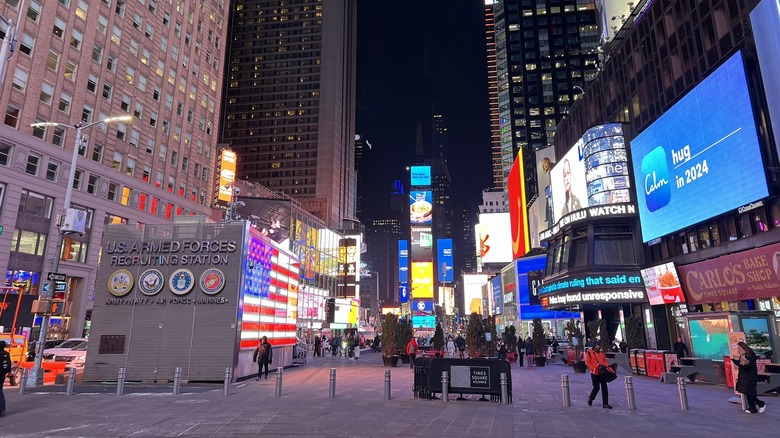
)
(359, 409)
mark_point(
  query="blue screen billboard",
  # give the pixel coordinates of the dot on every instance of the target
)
(403, 261)
(498, 295)
(530, 272)
(424, 321)
(704, 146)
(403, 293)
(444, 256)
(421, 176)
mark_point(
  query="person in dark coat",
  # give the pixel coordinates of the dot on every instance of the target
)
(748, 378)
(680, 348)
(264, 356)
(317, 346)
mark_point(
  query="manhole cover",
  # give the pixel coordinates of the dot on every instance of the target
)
(191, 401)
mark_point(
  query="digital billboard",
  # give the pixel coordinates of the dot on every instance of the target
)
(703, 145)
(498, 296)
(424, 307)
(593, 172)
(424, 321)
(403, 261)
(420, 176)
(517, 207)
(421, 207)
(227, 174)
(765, 20)
(445, 260)
(422, 244)
(422, 280)
(472, 293)
(494, 238)
(663, 284)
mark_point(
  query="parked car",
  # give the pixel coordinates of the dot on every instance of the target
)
(75, 357)
(63, 347)
(46, 345)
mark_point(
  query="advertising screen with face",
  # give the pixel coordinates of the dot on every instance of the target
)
(421, 207)
(705, 144)
(494, 234)
(567, 180)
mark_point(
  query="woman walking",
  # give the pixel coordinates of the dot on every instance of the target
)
(748, 378)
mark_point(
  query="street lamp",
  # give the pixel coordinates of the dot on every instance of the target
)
(35, 378)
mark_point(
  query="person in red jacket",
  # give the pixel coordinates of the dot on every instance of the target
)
(411, 350)
(595, 359)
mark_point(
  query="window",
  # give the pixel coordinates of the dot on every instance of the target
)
(112, 219)
(65, 101)
(77, 178)
(130, 167)
(127, 195)
(112, 190)
(5, 153)
(36, 204)
(20, 80)
(11, 116)
(53, 60)
(107, 89)
(28, 242)
(59, 27)
(116, 35)
(135, 137)
(93, 182)
(92, 81)
(97, 52)
(133, 47)
(613, 245)
(33, 161)
(121, 131)
(26, 44)
(117, 163)
(75, 39)
(39, 131)
(120, 8)
(137, 21)
(81, 9)
(34, 11)
(59, 136)
(149, 146)
(130, 75)
(52, 171)
(125, 105)
(46, 93)
(102, 24)
(70, 70)
(97, 152)
(111, 63)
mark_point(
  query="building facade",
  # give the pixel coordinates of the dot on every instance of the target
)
(77, 63)
(290, 101)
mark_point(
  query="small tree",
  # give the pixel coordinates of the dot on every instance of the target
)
(510, 334)
(598, 330)
(475, 335)
(539, 341)
(573, 331)
(492, 344)
(635, 332)
(389, 334)
(405, 334)
(438, 338)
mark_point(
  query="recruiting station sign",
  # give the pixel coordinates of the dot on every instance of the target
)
(742, 276)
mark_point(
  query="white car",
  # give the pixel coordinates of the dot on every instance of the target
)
(75, 357)
(63, 347)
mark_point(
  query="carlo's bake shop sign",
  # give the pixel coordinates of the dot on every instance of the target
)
(743, 276)
(170, 252)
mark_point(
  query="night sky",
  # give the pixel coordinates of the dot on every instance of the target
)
(411, 53)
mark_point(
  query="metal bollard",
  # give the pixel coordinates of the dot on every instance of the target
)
(120, 381)
(445, 386)
(71, 381)
(176, 380)
(332, 391)
(387, 384)
(228, 379)
(504, 389)
(630, 393)
(279, 376)
(683, 393)
(565, 390)
(23, 383)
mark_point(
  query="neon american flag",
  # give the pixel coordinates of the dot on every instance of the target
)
(270, 293)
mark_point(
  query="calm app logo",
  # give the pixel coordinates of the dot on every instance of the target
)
(658, 192)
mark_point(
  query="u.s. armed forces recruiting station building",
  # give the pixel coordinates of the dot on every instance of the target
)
(196, 296)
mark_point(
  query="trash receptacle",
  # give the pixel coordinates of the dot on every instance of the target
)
(641, 366)
(655, 363)
(632, 361)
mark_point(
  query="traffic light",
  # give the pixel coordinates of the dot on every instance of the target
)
(70, 249)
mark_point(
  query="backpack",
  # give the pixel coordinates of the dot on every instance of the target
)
(5, 365)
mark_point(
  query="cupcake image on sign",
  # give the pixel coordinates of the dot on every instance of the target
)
(181, 281)
(212, 281)
(151, 282)
(120, 283)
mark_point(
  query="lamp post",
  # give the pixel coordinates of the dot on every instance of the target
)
(9, 42)
(35, 377)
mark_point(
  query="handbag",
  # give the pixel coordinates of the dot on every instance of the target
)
(607, 374)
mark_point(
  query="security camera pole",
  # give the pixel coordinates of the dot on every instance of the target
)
(35, 377)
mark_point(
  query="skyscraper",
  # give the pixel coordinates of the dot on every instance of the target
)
(495, 121)
(290, 100)
(77, 63)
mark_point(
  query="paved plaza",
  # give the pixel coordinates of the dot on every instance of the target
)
(359, 408)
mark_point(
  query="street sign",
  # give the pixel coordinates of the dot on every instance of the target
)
(47, 287)
(55, 276)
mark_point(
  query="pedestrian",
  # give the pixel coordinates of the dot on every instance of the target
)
(614, 348)
(520, 351)
(411, 350)
(623, 347)
(596, 361)
(502, 351)
(680, 348)
(264, 356)
(461, 343)
(317, 346)
(555, 345)
(748, 378)
(5, 368)
(529, 351)
(450, 347)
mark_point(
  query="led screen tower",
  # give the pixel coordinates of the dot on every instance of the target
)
(421, 251)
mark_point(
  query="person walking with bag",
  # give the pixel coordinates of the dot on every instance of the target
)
(264, 356)
(748, 378)
(596, 361)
